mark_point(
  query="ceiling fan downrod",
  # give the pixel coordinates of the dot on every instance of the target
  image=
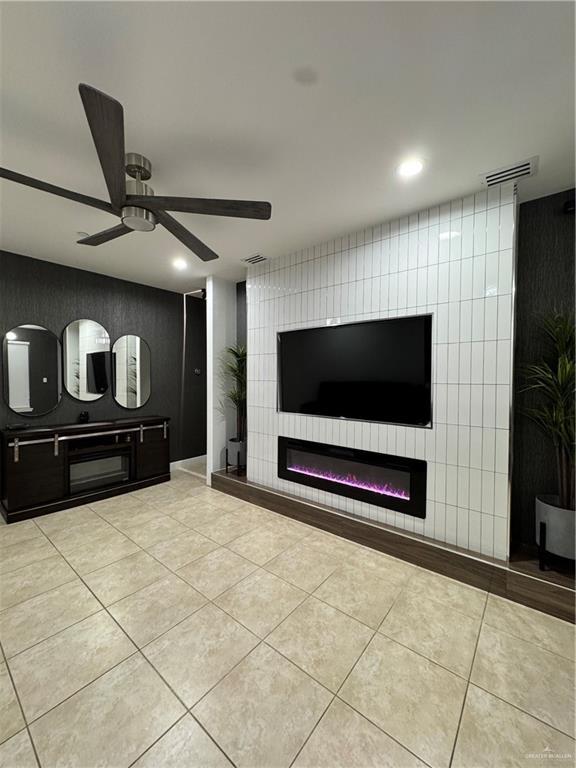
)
(139, 168)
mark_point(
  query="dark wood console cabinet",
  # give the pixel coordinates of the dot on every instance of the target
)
(45, 469)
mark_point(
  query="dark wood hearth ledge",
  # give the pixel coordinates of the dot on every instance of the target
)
(493, 576)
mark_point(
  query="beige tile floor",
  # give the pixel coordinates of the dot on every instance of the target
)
(181, 628)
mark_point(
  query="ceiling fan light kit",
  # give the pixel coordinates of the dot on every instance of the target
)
(138, 219)
(132, 199)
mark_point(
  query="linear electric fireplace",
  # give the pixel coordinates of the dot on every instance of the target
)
(387, 481)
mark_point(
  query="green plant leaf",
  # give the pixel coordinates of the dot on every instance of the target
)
(552, 383)
(233, 374)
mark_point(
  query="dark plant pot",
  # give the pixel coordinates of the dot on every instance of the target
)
(237, 452)
(560, 526)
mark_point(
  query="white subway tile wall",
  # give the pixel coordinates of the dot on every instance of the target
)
(455, 261)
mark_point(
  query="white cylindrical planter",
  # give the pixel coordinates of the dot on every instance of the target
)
(560, 526)
(237, 452)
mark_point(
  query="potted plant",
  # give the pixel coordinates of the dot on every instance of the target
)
(552, 380)
(234, 373)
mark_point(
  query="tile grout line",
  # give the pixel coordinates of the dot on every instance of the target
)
(262, 568)
(138, 651)
(186, 707)
(315, 726)
(523, 639)
(13, 570)
(182, 717)
(422, 656)
(229, 672)
(308, 594)
(83, 687)
(262, 641)
(379, 728)
(26, 724)
(337, 696)
(524, 711)
(138, 648)
(201, 725)
(219, 546)
(54, 634)
(334, 694)
(226, 546)
(456, 735)
(419, 653)
(175, 573)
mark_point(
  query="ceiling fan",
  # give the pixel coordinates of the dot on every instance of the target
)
(132, 199)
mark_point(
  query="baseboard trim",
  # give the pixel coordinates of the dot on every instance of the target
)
(492, 576)
(187, 465)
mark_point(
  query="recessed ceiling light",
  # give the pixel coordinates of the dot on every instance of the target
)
(411, 167)
(180, 264)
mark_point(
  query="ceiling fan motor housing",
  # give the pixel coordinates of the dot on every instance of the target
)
(134, 217)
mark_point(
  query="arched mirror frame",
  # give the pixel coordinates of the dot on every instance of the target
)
(115, 369)
(106, 362)
(6, 370)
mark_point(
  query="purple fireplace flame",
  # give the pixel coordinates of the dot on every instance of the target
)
(384, 489)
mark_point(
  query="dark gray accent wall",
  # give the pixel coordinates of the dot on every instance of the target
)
(194, 392)
(51, 295)
(241, 318)
(544, 281)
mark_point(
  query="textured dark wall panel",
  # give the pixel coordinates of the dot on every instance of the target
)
(34, 291)
(194, 418)
(545, 280)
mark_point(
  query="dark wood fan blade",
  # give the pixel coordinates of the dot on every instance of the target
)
(43, 186)
(242, 209)
(106, 235)
(186, 237)
(106, 120)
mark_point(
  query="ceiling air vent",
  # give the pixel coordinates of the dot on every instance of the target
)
(256, 259)
(510, 172)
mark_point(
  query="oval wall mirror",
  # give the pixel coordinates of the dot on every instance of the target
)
(32, 370)
(86, 360)
(131, 361)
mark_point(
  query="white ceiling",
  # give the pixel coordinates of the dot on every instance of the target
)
(210, 97)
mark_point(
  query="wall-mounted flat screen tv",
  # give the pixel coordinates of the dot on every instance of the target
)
(371, 371)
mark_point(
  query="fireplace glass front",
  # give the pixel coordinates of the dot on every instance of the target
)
(388, 481)
(381, 480)
(99, 473)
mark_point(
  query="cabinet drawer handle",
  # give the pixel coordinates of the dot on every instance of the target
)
(165, 430)
(141, 433)
(16, 450)
(56, 445)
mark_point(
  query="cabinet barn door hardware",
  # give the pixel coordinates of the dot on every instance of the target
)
(45, 469)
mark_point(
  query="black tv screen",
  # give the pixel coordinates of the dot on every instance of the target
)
(96, 372)
(372, 371)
